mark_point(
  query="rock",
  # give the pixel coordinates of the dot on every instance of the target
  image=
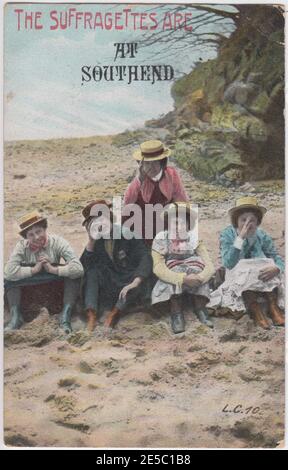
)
(63, 403)
(85, 368)
(78, 426)
(247, 188)
(202, 360)
(155, 376)
(207, 158)
(248, 431)
(253, 375)
(229, 335)
(19, 177)
(18, 440)
(196, 347)
(79, 338)
(150, 395)
(67, 382)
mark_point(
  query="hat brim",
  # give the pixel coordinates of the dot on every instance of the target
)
(139, 157)
(234, 210)
(31, 225)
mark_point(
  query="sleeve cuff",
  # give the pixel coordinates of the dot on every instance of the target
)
(238, 243)
(25, 272)
(63, 271)
(181, 279)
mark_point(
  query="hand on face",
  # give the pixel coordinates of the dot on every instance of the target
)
(247, 225)
(141, 173)
(149, 169)
(99, 227)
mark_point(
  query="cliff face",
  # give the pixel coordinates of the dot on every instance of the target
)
(228, 122)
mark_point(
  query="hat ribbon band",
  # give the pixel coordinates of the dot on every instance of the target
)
(29, 222)
(153, 154)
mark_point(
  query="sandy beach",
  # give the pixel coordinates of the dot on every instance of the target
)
(136, 386)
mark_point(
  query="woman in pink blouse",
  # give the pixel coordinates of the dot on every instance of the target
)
(156, 183)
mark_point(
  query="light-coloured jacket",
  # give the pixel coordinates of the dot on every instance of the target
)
(57, 249)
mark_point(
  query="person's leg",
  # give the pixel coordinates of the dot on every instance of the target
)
(200, 302)
(177, 317)
(71, 292)
(138, 295)
(91, 296)
(14, 302)
(13, 291)
(114, 314)
(275, 312)
(252, 306)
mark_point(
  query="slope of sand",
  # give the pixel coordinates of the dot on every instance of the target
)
(137, 385)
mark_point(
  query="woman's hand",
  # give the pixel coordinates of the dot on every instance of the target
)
(268, 273)
(137, 281)
(90, 244)
(37, 268)
(192, 280)
(244, 232)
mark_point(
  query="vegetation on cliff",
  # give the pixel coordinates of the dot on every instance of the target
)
(228, 122)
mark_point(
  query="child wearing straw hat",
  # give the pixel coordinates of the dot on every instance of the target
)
(254, 269)
(36, 261)
(182, 265)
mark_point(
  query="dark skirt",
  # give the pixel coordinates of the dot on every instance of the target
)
(42, 290)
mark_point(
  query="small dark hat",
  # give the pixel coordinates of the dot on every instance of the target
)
(87, 212)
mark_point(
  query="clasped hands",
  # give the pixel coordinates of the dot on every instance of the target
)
(44, 263)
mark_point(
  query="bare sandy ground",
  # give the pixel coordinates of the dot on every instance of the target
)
(137, 386)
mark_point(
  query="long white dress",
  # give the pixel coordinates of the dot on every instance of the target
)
(243, 277)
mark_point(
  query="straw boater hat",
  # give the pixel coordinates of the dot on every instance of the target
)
(28, 220)
(247, 202)
(171, 209)
(151, 150)
(88, 212)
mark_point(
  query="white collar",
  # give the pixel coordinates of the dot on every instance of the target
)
(158, 177)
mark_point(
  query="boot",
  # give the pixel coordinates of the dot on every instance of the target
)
(177, 322)
(275, 313)
(258, 316)
(112, 318)
(91, 319)
(65, 319)
(203, 317)
(16, 319)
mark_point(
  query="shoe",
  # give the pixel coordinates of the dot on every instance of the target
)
(275, 312)
(16, 319)
(65, 319)
(112, 318)
(177, 322)
(258, 316)
(203, 317)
